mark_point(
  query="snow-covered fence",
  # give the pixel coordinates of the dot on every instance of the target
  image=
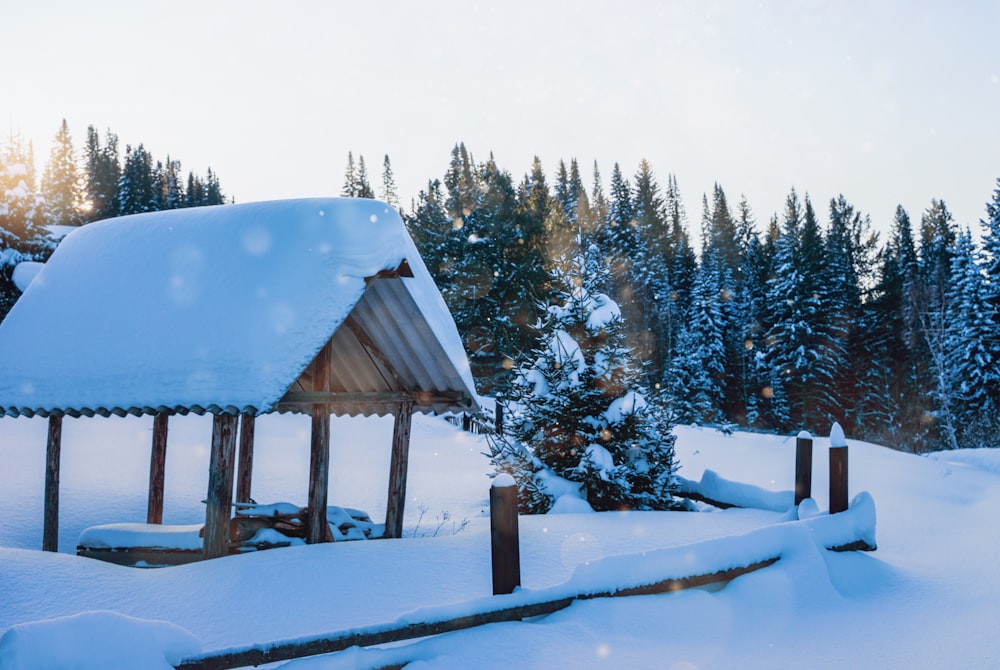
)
(712, 562)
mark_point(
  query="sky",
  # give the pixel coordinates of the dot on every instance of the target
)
(889, 102)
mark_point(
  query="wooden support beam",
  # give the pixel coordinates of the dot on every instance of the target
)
(397, 470)
(247, 425)
(157, 469)
(220, 486)
(50, 529)
(319, 476)
(317, 529)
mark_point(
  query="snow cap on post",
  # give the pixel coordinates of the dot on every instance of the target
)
(503, 480)
(804, 435)
(837, 438)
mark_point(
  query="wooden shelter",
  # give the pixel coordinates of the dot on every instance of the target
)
(317, 306)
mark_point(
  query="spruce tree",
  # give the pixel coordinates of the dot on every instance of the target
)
(61, 181)
(101, 175)
(970, 323)
(23, 216)
(579, 419)
(389, 193)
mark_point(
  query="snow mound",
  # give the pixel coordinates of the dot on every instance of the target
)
(96, 640)
(984, 459)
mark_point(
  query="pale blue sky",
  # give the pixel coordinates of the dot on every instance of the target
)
(892, 102)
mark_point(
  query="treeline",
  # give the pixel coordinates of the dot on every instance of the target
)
(96, 182)
(807, 319)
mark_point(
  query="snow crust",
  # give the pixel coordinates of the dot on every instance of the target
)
(145, 295)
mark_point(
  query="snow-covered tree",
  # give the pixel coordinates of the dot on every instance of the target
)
(61, 181)
(23, 236)
(580, 423)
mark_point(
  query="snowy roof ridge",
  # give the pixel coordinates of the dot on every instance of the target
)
(210, 309)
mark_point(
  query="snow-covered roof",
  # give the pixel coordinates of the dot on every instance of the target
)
(224, 309)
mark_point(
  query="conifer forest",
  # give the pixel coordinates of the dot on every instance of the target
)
(776, 322)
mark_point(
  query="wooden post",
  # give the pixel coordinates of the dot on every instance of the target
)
(247, 425)
(498, 427)
(319, 476)
(838, 470)
(50, 528)
(157, 469)
(397, 470)
(220, 486)
(317, 527)
(803, 466)
(506, 548)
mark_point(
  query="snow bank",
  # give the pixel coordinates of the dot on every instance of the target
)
(984, 459)
(96, 640)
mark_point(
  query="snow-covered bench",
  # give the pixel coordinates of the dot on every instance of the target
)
(254, 527)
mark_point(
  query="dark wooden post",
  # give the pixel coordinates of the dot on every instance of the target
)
(50, 527)
(504, 535)
(803, 466)
(245, 472)
(838, 470)
(220, 486)
(499, 418)
(397, 470)
(317, 527)
(157, 468)
(319, 475)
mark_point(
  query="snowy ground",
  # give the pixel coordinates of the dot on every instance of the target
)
(927, 598)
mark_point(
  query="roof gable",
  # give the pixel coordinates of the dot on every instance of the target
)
(206, 309)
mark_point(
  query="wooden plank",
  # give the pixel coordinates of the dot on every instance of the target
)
(397, 470)
(220, 486)
(284, 651)
(317, 529)
(50, 527)
(157, 469)
(245, 476)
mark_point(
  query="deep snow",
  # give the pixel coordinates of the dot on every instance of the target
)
(926, 598)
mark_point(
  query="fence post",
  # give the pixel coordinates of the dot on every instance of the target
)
(838, 469)
(499, 418)
(803, 466)
(504, 535)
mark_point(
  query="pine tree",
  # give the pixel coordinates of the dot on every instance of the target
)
(61, 181)
(802, 344)
(991, 260)
(849, 262)
(137, 183)
(23, 215)
(970, 322)
(581, 422)
(892, 406)
(101, 176)
(389, 193)
(697, 373)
